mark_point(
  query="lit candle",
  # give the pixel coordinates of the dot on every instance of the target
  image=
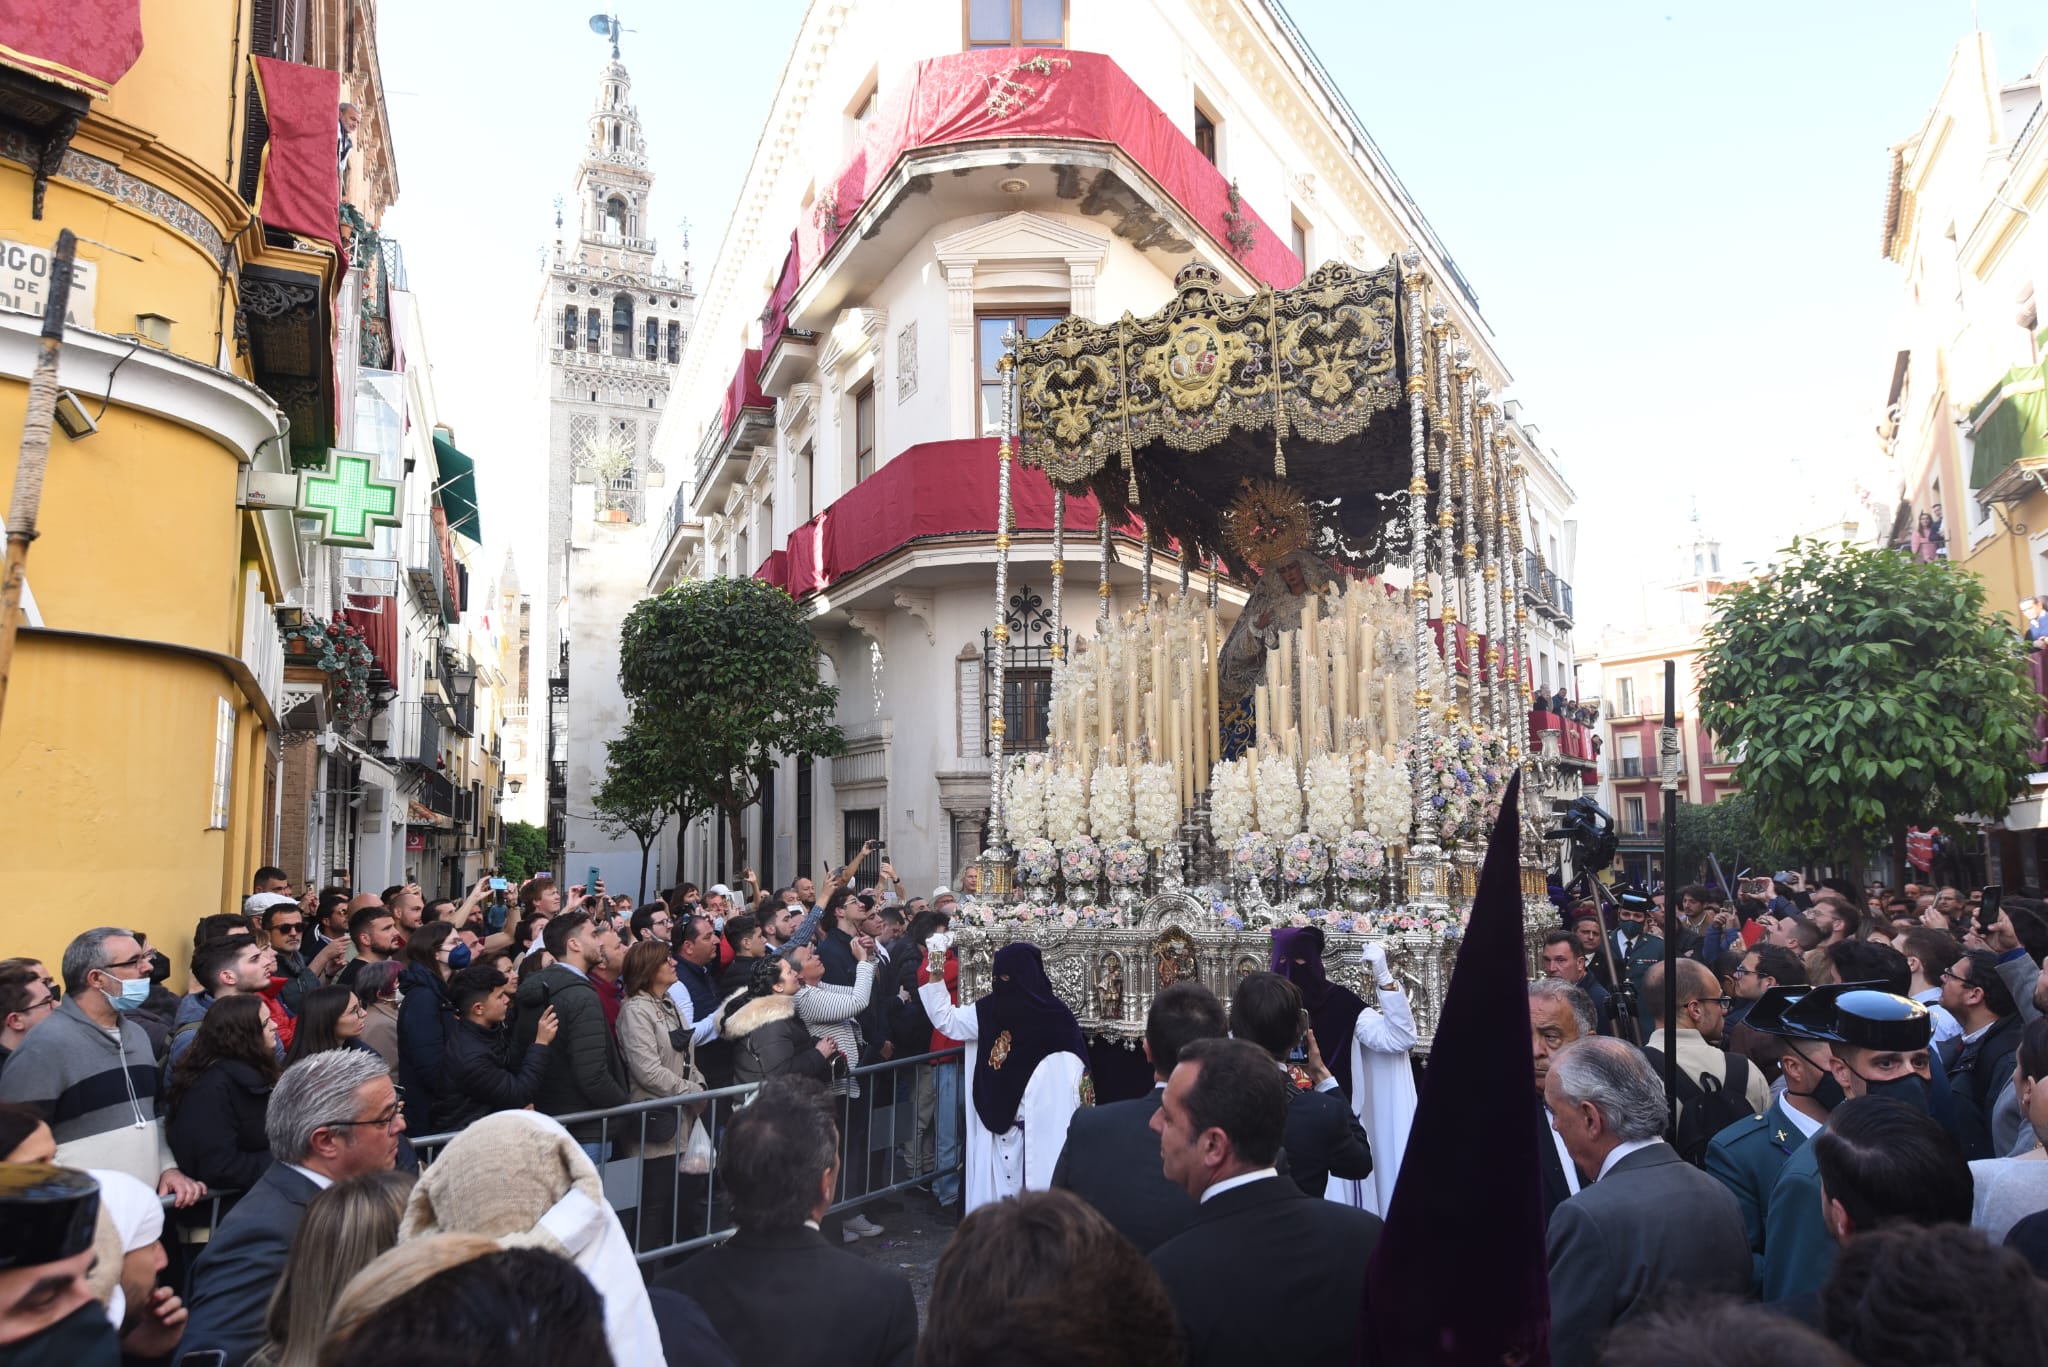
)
(1105, 700)
(1340, 684)
(1184, 733)
(1155, 739)
(1311, 694)
(1262, 718)
(1290, 729)
(1393, 711)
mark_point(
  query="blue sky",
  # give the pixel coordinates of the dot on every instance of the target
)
(1670, 213)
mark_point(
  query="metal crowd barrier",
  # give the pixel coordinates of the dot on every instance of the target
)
(668, 1211)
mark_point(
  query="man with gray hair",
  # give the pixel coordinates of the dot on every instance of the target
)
(1649, 1225)
(333, 1115)
(1560, 1014)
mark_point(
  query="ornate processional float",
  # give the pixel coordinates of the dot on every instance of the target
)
(1334, 756)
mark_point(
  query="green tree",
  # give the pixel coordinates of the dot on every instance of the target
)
(1866, 692)
(636, 797)
(525, 852)
(1729, 830)
(723, 676)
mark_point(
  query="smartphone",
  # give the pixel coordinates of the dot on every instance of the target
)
(1987, 911)
(1299, 1053)
(499, 885)
(591, 880)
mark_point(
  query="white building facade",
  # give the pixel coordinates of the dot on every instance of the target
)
(933, 175)
(611, 324)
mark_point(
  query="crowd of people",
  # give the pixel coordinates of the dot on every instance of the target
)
(1859, 1124)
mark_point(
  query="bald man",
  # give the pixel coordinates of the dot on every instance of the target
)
(1702, 1015)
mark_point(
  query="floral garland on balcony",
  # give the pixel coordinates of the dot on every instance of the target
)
(339, 651)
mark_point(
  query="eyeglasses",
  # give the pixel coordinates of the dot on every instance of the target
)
(33, 1007)
(1723, 1002)
(385, 1119)
(1746, 973)
(141, 961)
(1955, 978)
(287, 927)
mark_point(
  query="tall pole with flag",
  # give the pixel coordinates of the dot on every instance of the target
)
(35, 451)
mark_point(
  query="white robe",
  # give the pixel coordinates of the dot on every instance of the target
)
(1022, 1157)
(1383, 1099)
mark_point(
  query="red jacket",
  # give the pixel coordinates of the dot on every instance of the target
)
(286, 1025)
(924, 976)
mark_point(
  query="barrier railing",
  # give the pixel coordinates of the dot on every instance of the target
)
(640, 1150)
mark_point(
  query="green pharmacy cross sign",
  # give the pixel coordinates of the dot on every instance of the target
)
(348, 499)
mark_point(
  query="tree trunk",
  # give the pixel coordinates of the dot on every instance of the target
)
(735, 838)
(645, 846)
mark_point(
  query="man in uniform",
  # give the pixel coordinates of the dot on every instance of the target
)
(1749, 1155)
(1878, 1046)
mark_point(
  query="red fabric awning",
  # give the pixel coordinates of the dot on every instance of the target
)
(776, 317)
(86, 45)
(380, 634)
(300, 190)
(936, 488)
(775, 569)
(1037, 93)
(744, 391)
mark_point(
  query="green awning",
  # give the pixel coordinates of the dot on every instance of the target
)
(457, 484)
(2010, 423)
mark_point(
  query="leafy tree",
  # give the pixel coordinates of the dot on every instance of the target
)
(636, 797)
(525, 852)
(1868, 692)
(723, 676)
(1729, 830)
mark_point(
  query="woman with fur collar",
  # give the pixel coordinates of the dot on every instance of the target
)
(768, 1040)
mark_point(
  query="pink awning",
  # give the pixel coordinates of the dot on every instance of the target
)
(744, 391)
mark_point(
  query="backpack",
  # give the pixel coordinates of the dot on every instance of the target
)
(1706, 1105)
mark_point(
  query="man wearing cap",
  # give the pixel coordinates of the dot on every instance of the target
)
(944, 900)
(48, 1314)
(1878, 1046)
(1749, 1155)
(284, 926)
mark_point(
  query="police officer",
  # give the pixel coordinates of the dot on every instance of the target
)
(48, 1314)
(1878, 1046)
(1749, 1155)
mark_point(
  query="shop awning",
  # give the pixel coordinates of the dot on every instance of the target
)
(458, 490)
(2010, 424)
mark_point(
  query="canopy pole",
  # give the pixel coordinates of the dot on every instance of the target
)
(1418, 567)
(1468, 549)
(998, 725)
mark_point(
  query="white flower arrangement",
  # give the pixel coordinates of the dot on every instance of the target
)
(1388, 801)
(1155, 805)
(1066, 805)
(1279, 797)
(1230, 800)
(1109, 802)
(1024, 804)
(1329, 796)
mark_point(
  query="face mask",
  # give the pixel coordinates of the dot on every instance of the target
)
(134, 992)
(718, 924)
(1911, 1089)
(1631, 929)
(82, 1338)
(1827, 1093)
(458, 957)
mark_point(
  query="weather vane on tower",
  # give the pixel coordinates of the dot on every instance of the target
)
(607, 26)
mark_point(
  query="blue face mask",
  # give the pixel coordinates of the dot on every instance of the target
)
(1910, 1088)
(458, 956)
(134, 992)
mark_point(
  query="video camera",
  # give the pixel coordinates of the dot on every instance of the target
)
(1591, 830)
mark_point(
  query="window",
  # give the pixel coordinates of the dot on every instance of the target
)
(1205, 136)
(988, 349)
(654, 339)
(1015, 23)
(804, 769)
(864, 433)
(1298, 239)
(862, 824)
(765, 851)
(615, 208)
(622, 325)
(594, 337)
(569, 327)
(1027, 709)
(675, 342)
(223, 764)
(1632, 822)
(1631, 756)
(1624, 697)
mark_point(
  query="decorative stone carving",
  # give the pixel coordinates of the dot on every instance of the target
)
(918, 603)
(906, 362)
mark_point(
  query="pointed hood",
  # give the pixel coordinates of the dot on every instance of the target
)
(1472, 1161)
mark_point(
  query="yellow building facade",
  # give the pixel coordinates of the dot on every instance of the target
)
(139, 742)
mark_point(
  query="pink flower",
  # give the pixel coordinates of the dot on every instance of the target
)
(1070, 917)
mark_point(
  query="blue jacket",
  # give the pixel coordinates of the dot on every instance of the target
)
(424, 1016)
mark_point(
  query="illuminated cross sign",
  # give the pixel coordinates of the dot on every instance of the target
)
(348, 498)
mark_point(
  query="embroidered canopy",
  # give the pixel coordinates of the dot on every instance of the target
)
(1164, 418)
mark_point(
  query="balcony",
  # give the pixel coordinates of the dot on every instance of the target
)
(1544, 591)
(746, 419)
(1642, 830)
(672, 536)
(931, 490)
(416, 734)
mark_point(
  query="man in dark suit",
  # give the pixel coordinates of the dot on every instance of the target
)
(331, 1116)
(1560, 1015)
(1111, 1159)
(779, 1294)
(1650, 1225)
(1323, 1136)
(1265, 1273)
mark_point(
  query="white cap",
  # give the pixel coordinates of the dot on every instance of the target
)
(720, 890)
(256, 903)
(941, 892)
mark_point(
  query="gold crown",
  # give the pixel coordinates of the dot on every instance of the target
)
(1267, 521)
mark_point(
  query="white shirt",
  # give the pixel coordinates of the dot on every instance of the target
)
(317, 1179)
(1807, 1125)
(1564, 1158)
(701, 1031)
(1243, 1179)
(1621, 1151)
(1945, 1026)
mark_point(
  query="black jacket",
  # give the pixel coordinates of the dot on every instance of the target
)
(1979, 1072)
(216, 1129)
(790, 1299)
(584, 1071)
(424, 1015)
(1324, 1139)
(233, 1279)
(735, 978)
(478, 1077)
(1111, 1161)
(769, 1041)
(1265, 1274)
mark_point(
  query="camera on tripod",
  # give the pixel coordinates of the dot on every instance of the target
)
(1591, 830)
